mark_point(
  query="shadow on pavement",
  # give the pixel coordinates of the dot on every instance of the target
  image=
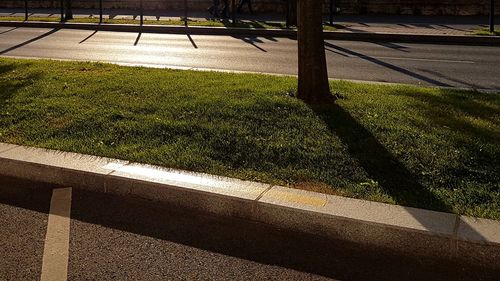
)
(9, 30)
(88, 37)
(388, 65)
(243, 239)
(192, 41)
(29, 41)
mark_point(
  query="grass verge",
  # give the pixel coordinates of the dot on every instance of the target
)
(205, 23)
(422, 147)
(486, 32)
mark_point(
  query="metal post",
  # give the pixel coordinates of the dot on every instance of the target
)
(287, 11)
(331, 12)
(233, 11)
(185, 13)
(25, 10)
(142, 13)
(62, 10)
(100, 11)
(492, 16)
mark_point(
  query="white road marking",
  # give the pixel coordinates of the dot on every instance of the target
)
(422, 59)
(56, 251)
(407, 59)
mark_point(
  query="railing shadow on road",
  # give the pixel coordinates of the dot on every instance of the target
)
(88, 37)
(9, 30)
(387, 65)
(192, 41)
(46, 34)
(234, 238)
(392, 45)
(138, 38)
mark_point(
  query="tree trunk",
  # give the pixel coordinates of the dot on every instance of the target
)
(68, 12)
(313, 76)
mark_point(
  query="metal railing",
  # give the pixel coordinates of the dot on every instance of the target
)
(141, 9)
(333, 9)
(233, 8)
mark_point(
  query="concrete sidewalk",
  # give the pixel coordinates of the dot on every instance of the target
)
(419, 25)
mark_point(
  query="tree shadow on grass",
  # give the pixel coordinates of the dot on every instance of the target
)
(464, 104)
(473, 119)
(379, 163)
(9, 87)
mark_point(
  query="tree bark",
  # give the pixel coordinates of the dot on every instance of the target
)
(313, 76)
(68, 12)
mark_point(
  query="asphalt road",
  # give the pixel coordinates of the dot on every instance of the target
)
(426, 64)
(113, 238)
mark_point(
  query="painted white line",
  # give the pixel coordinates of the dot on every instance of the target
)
(408, 59)
(56, 251)
(422, 59)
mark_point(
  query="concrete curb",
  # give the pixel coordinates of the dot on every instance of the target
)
(331, 35)
(402, 230)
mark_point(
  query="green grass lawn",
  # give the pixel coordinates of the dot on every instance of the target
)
(486, 32)
(206, 23)
(422, 147)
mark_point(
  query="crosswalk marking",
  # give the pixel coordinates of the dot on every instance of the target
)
(56, 250)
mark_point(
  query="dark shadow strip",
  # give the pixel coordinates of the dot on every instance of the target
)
(390, 66)
(378, 162)
(29, 41)
(192, 41)
(9, 30)
(138, 38)
(88, 37)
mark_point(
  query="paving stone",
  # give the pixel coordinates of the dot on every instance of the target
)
(6, 146)
(371, 212)
(67, 160)
(393, 215)
(479, 230)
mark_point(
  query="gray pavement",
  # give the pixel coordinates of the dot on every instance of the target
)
(114, 238)
(420, 64)
(23, 224)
